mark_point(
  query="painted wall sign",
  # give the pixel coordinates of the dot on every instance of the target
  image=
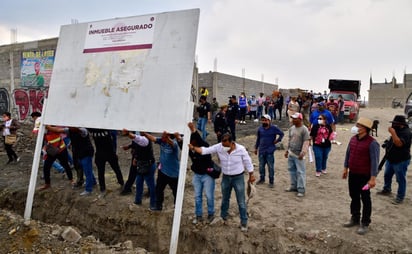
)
(36, 68)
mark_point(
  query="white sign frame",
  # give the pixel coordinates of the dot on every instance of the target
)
(145, 89)
(135, 100)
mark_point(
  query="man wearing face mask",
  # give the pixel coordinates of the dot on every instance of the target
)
(268, 136)
(361, 168)
(233, 160)
(398, 157)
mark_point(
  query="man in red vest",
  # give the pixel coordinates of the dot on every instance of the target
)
(361, 168)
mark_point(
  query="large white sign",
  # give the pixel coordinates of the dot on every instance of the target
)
(133, 73)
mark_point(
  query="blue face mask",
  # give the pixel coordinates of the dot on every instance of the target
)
(354, 130)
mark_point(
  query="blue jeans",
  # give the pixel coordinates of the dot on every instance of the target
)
(87, 165)
(67, 142)
(237, 183)
(201, 126)
(207, 183)
(272, 113)
(268, 159)
(321, 157)
(341, 117)
(150, 181)
(259, 112)
(59, 168)
(297, 172)
(399, 169)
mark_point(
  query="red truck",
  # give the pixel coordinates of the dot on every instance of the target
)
(349, 89)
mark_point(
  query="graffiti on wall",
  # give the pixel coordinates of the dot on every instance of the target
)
(4, 100)
(28, 101)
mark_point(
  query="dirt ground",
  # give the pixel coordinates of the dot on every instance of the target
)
(279, 222)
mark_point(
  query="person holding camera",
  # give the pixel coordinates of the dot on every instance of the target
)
(398, 157)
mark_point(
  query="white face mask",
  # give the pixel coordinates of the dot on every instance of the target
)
(321, 121)
(354, 130)
(226, 148)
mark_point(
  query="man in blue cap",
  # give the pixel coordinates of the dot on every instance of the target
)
(322, 111)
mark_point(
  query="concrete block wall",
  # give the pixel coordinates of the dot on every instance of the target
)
(13, 52)
(383, 96)
(20, 101)
(222, 86)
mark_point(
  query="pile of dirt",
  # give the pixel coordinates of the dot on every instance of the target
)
(279, 222)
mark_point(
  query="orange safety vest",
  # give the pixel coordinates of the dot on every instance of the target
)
(54, 139)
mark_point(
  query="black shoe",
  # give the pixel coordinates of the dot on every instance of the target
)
(198, 219)
(210, 218)
(291, 190)
(261, 182)
(77, 185)
(384, 192)
(155, 209)
(351, 223)
(125, 192)
(397, 201)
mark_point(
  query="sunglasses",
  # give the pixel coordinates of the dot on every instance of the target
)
(320, 118)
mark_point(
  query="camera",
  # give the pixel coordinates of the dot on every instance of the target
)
(385, 143)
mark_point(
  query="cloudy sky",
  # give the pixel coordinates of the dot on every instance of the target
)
(296, 43)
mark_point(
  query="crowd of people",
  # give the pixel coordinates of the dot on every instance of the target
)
(312, 128)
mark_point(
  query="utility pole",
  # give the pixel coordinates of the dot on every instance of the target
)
(13, 39)
(263, 83)
(214, 85)
(244, 80)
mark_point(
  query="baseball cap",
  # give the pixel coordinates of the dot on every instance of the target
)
(297, 116)
(266, 116)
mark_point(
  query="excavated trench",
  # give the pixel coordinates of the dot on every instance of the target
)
(112, 223)
(148, 230)
(116, 219)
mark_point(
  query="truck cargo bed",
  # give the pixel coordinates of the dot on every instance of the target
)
(345, 85)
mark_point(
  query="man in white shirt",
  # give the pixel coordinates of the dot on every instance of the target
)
(233, 160)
